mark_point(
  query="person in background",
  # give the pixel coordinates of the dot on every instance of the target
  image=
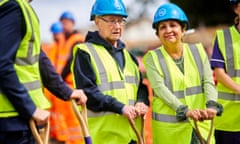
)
(226, 65)
(72, 37)
(21, 95)
(58, 35)
(58, 41)
(181, 78)
(110, 77)
(65, 127)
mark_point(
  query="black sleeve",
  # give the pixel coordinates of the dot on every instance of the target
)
(85, 79)
(52, 80)
(12, 30)
(142, 94)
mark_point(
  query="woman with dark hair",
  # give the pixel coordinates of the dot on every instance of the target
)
(182, 81)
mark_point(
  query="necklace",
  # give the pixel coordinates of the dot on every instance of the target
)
(179, 61)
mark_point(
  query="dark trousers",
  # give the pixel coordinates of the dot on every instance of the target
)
(224, 137)
(17, 137)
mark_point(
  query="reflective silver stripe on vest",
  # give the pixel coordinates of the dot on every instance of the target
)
(178, 94)
(231, 71)
(31, 85)
(229, 96)
(30, 59)
(189, 91)
(167, 80)
(105, 85)
(132, 79)
(165, 118)
(97, 114)
(197, 58)
(131, 102)
(194, 90)
(163, 65)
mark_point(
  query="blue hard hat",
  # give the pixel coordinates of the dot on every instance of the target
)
(232, 2)
(108, 7)
(169, 11)
(56, 28)
(67, 15)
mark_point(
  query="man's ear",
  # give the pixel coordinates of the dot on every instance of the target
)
(96, 20)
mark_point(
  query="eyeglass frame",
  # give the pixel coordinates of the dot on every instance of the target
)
(114, 21)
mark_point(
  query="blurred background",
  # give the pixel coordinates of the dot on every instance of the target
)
(205, 17)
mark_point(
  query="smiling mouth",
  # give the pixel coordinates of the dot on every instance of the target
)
(116, 33)
(169, 37)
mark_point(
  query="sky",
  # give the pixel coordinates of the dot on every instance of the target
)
(49, 12)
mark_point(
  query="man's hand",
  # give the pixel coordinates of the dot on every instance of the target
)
(79, 96)
(141, 108)
(41, 116)
(129, 112)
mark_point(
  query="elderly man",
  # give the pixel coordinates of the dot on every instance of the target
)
(110, 77)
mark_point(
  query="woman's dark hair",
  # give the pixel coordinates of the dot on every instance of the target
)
(182, 24)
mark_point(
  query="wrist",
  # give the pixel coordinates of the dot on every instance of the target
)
(181, 112)
(214, 105)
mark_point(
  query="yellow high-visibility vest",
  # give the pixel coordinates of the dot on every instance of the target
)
(186, 87)
(27, 63)
(229, 45)
(107, 127)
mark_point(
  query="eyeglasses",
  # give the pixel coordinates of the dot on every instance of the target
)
(121, 22)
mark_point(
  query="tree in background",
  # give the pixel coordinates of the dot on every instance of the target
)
(199, 12)
(207, 12)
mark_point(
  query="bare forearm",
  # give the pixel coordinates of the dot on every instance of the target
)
(226, 80)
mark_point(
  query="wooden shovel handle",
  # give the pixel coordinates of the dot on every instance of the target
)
(43, 136)
(199, 133)
(140, 138)
(82, 118)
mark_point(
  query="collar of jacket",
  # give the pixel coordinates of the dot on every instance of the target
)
(94, 37)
